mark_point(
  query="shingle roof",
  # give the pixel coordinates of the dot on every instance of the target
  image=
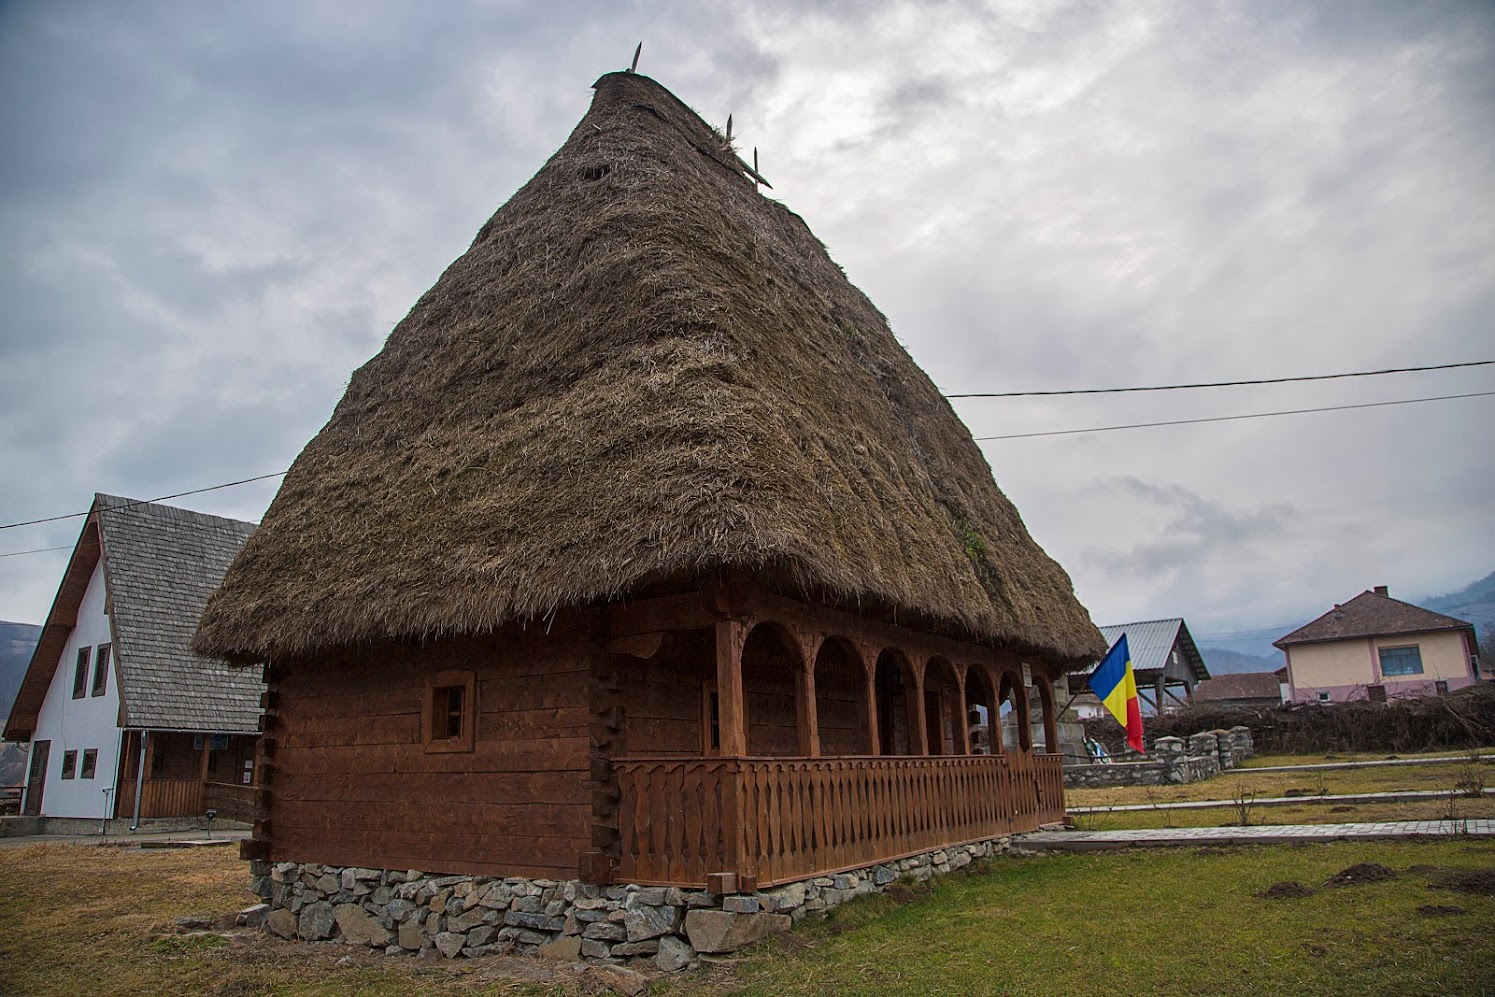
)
(1371, 614)
(160, 565)
(1242, 685)
(1151, 640)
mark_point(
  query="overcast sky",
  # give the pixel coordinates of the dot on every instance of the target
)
(211, 213)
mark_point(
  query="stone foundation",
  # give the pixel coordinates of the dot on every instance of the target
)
(644, 927)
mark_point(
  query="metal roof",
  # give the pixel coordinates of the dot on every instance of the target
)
(1151, 641)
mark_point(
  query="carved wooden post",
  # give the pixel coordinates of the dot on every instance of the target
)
(730, 637)
(808, 720)
(918, 729)
(1050, 720)
(962, 723)
(869, 699)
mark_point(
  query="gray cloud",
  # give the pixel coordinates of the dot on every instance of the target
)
(211, 216)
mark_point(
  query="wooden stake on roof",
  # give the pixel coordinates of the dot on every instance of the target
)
(634, 68)
(729, 129)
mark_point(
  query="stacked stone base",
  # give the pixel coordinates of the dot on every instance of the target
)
(642, 927)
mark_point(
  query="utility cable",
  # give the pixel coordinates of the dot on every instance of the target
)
(131, 505)
(1221, 384)
(1232, 418)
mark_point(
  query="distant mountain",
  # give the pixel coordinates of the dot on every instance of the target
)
(1223, 661)
(1475, 602)
(17, 640)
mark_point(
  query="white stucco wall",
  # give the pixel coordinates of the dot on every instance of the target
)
(79, 724)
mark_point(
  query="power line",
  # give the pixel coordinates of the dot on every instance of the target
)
(1221, 384)
(38, 550)
(131, 505)
(1232, 418)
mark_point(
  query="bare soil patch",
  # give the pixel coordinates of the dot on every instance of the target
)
(1440, 910)
(1286, 890)
(1477, 881)
(1362, 872)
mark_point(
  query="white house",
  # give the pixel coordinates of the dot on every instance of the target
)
(113, 691)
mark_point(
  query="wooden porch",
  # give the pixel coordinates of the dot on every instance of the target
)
(771, 741)
(186, 775)
(776, 820)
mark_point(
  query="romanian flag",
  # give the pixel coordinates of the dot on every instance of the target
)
(1115, 685)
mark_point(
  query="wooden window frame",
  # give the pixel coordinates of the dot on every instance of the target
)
(436, 685)
(80, 672)
(70, 764)
(90, 763)
(1400, 651)
(101, 658)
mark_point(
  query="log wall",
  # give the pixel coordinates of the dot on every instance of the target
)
(351, 781)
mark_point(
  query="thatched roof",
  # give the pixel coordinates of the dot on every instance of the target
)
(643, 372)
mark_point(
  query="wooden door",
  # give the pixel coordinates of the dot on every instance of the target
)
(36, 779)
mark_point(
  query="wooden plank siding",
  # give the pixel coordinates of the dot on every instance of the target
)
(353, 783)
(784, 819)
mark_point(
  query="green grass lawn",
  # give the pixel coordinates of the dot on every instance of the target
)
(86, 920)
(1161, 921)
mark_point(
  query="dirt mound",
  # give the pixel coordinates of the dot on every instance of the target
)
(1340, 809)
(1439, 910)
(1480, 881)
(1286, 890)
(1364, 872)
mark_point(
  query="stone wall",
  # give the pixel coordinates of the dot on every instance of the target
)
(1174, 761)
(643, 927)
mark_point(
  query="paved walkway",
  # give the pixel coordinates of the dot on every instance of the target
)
(143, 839)
(1377, 763)
(1395, 796)
(1080, 841)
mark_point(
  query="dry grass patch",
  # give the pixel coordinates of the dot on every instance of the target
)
(72, 916)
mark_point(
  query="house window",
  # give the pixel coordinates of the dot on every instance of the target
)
(1401, 660)
(1441, 686)
(101, 670)
(69, 764)
(90, 762)
(1323, 697)
(80, 673)
(449, 718)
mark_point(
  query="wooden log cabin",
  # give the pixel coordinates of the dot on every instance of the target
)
(644, 553)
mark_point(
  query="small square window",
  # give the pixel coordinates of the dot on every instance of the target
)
(1401, 660)
(69, 764)
(1323, 697)
(80, 673)
(90, 762)
(1441, 686)
(1377, 693)
(101, 670)
(449, 718)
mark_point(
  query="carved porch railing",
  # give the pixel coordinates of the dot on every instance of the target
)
(783, 819)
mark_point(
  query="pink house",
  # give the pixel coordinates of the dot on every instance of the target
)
(1376, 647)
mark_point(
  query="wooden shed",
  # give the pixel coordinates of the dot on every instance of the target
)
(643, 553)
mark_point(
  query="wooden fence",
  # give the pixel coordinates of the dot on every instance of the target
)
(232, 801)
(783, 819)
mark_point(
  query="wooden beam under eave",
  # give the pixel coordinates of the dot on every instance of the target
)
(690, 611)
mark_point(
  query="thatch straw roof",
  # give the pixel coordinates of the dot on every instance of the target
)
(643, 372)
